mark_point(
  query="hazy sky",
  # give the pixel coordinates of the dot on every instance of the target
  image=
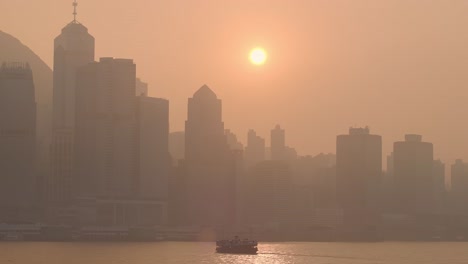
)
(398, 66)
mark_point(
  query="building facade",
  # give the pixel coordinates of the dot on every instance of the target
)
(255, 149)
(413, 175)
(358, 169)
(153, 148)
(278, 143)
(18, 183)
(106, 158)
(73, 48)
(210, 181)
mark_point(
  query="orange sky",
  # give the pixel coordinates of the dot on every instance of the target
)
(398, 66)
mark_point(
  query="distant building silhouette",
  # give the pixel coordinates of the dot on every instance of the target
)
(73, 48)
(459, 186)
(232, 141)
(255, 149)
(153, 147)
(358, 168)
(270, 194)
(18, 185)
(278, 143)
(141, 88)
(177, 146)
(440, 192)
(210, 181)
(106, 135)
(413, 173)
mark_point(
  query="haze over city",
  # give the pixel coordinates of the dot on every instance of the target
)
(396, 66)
(226, 131)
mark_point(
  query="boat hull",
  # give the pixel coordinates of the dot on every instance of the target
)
(237, 250)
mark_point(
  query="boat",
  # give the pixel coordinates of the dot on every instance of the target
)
(237, 246)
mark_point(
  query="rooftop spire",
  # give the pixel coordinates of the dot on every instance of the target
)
(75, 4)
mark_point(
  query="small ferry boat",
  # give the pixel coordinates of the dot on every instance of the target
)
(237, 246)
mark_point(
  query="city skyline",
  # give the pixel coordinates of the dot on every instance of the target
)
(99, 161)
(428, 87)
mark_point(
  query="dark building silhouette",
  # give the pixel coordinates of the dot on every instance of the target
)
(153, 147)
(358, 168)
(255, 149)
(18, 193)
(106, 161)
(73, 48)
(459, 186)
(278, 143)
(210, 181)
(413, 174)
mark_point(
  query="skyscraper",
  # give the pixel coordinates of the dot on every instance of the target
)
(210, 172)
(17, 141)
(358, 168)
(269, 194)
(73, 48)
(255, 150)
(153, 147)
(278, 143)
(106, 163)
(459, 183)
(438, 178)
(413, 174)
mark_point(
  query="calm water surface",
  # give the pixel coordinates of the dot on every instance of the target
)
(188, 252)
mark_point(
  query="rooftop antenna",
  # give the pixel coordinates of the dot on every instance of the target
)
(75, 4)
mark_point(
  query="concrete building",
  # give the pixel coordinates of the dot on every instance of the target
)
(440, 191)
(359, 169)
(255, 149)
(177, 146)
(278, 143)
(141, 88)
(459, 186)
(413, 175)
(73, 48)
(210, 181)
(270, 195)
(106, 152)
(18, 193)
(233, 142)
(153, 147)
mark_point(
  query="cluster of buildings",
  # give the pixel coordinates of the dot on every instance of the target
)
(111, 162)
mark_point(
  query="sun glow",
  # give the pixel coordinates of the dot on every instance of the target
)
(258, 56)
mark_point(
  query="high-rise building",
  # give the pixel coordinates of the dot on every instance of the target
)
(233, 142)
(141, 88)
(73, 48)
(106, 151)
(153, 147)
(413, 175)
(255, 150)
(440, 192)
(278, 143)
(17, 141)
(210, 181)
(177, 146)
(358, 169)
(269, 194)
(459, 186)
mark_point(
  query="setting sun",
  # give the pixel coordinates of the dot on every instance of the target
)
(258, 56)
